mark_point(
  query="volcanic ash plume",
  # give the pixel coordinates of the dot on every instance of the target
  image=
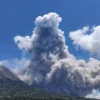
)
(52, 66)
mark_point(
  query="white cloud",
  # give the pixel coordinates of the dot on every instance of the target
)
(4, 62)
(91, 95)
(98, 96)
(87, 39)
(94, 94)
(23, 42)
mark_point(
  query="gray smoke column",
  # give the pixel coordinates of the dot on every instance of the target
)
(52, 66)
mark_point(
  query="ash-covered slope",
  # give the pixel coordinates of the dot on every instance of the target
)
(5, 73)
(11, 85)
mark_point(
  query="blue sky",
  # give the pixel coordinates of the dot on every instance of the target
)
(17, 18)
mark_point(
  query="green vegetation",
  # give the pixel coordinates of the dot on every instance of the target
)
(17, 90)
(44, 98)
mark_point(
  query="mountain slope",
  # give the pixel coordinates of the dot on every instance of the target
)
(12, 88)
(11, 85)
(5, 73)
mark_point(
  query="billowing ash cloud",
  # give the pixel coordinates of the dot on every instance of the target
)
(52, 66)
(90, 42)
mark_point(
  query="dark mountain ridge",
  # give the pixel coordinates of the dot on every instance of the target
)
(12, 88)
(11, 85)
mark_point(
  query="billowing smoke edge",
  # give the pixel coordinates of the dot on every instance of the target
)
(52, 67)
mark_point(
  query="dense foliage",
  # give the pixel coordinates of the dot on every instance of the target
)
(44, 98)
(17, 90)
